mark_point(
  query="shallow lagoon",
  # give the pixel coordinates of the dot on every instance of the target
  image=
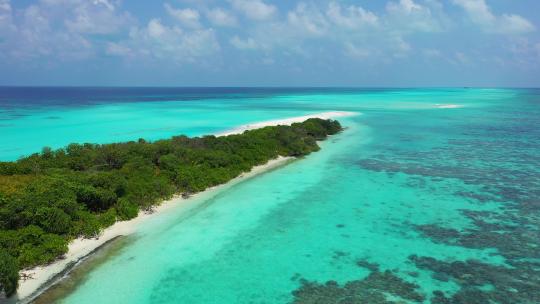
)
(412, 203)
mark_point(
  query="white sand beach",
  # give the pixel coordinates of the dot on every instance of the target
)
(448, 106)
(40, 277)
(286, 121)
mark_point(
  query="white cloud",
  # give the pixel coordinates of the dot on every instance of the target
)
(407, 15)
(95, 17)
(61, 29)
(401, 47)
(356, 52)
(477, 10)
(244, 44)
(307, 20)
(351, 16)
(515, 24)
(105, 3)
(480, 13)
(68, 29)
(360, 33)
(5, 6)
(6, 24)
(523, 49)
(162, 42)
(118, 50)
(254, 9)
(35, 38)
(221, 17)
(408, 6)
(155, 29)
(5, 10)
(188, 17)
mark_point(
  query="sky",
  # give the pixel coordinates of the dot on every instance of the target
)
(362, 43)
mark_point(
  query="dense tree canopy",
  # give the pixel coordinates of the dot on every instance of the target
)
(51, 197)
(9, 273)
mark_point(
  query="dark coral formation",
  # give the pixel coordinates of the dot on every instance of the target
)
(377, 288)
(373, 267)
(496, 163)
(515, 284)
(505, 285)
(514, 237)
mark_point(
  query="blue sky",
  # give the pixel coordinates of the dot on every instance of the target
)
(391, 43)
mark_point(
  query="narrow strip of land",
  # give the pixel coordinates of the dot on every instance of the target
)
(286, 121)
(39, 278)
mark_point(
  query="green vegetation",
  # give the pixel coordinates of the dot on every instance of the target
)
(51, 197)
(9, 273)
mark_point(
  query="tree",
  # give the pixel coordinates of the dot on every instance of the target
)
(53, 220)
(126, 210)
(9, 273)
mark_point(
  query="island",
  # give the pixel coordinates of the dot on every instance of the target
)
(51, 198)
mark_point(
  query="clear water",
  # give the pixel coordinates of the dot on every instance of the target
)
(406, 182)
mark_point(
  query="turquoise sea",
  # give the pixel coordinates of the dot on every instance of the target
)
(415, 202)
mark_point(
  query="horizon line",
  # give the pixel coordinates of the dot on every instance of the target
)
(268, 87)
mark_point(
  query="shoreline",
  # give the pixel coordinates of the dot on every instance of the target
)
(43, 277)
(285, 121)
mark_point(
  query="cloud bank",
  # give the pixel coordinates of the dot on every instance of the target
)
(231, 33)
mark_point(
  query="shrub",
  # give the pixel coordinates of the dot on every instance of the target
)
(9, 273)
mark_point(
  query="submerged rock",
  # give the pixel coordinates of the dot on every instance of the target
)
(377, 288)
(506, 285)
